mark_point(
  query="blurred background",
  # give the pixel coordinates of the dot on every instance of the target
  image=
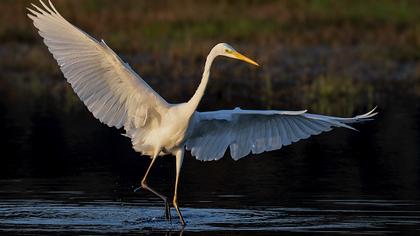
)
(332, 57)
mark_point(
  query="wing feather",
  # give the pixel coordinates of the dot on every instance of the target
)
(110, 89)
(245, 131)
(276, 135)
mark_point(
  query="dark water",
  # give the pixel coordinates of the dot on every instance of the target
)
(61, 171)
(313, 216)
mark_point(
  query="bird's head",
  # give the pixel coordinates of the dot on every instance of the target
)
(224, 49)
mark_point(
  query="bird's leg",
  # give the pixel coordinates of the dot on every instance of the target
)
(145, 186)
(179, 159)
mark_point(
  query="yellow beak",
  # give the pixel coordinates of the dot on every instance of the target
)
(241, 57)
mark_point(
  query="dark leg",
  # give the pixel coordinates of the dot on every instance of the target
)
(145, 186)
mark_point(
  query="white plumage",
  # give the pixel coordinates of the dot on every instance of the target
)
(119, 97)
(245, 131)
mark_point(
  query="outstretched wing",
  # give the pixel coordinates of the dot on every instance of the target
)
(110, 89)
(245, 131)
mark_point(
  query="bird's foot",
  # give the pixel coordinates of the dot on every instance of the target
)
(168, 216)
(165, 200)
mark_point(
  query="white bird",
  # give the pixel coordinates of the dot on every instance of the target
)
(119, 97)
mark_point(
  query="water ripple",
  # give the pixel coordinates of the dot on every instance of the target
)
(43, 216)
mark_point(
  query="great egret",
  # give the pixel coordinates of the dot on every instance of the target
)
(118, 97)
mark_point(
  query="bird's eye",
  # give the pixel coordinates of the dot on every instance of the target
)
(227, 50)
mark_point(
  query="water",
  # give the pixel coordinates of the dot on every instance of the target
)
(322, 216)
(63, 172)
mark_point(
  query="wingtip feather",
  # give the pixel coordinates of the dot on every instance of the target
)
(40, 10)
(46, 7)
(32, 17)
(372, 112)
(53, 8)
(32, 13)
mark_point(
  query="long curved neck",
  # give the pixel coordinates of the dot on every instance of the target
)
(196, 98)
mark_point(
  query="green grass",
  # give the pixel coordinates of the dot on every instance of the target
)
(329, 94)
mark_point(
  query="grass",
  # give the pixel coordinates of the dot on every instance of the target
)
(167, 41)
(329, 94)
(150, 25)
